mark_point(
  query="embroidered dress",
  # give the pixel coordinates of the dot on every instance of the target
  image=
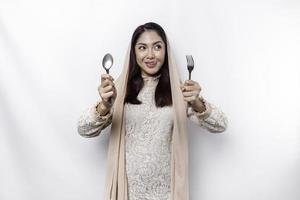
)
(148, 149)
(148, 140)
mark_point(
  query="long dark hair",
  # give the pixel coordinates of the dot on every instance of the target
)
(163, 96)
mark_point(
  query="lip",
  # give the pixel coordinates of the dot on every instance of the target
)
(151, 64)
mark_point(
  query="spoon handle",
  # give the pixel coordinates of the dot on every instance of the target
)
(110, 99)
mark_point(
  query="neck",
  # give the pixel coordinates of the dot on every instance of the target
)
(150, 78)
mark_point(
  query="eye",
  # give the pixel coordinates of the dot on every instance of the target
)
(157, 47)
(141, 47)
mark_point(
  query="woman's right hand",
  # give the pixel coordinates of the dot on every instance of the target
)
(107, 91)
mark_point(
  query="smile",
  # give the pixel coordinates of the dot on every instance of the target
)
(150, 64)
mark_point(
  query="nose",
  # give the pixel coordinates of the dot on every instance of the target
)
(150, 54)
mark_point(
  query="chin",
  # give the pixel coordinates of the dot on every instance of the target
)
(151, 71)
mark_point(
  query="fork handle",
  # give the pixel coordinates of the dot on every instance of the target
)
(190, 74)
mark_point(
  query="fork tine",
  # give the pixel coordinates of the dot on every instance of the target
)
(187, 59)
(190, 64)
(190, 60)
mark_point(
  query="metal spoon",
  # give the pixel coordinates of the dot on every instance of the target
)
(107, 62)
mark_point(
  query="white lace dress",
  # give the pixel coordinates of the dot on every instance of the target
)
(148, 140)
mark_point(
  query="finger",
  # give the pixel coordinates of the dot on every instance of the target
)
(106, 96)
(182, 87)
(190, 99)
(107, 82)
(186, 84)
(190, 82)
(104, 89)
(191, 88)
(107, 89)
(106, 77)
(189, 94)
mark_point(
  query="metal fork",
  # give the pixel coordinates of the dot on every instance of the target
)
(190, 64)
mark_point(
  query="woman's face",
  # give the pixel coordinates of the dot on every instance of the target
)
(150, 53)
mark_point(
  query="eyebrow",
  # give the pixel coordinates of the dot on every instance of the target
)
(140, 43)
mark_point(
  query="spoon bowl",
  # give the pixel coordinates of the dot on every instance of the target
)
(107, 62)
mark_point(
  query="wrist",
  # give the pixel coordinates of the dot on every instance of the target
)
(198, 104)
(102, 108)
(106, 104)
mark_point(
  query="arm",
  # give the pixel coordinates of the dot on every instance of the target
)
(200, 111)
(91, 123)
(212, 118)
(99, 116)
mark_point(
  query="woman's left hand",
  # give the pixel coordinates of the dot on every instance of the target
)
(190, 90)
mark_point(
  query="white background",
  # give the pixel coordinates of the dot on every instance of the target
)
(247, 62)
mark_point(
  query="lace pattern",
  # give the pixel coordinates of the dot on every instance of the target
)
(148, 150)
(148, 140)
(91, 123)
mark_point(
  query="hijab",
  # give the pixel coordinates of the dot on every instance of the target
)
(116, 187)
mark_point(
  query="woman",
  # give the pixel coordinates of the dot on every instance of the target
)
(148, 108)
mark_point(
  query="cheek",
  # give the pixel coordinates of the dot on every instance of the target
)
(139, 59)
(139, 55)
(161, 56)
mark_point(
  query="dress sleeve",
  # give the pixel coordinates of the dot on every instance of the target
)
(91, 123)
(212, 119)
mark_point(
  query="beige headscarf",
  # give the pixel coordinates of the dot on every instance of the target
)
(116, 180)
